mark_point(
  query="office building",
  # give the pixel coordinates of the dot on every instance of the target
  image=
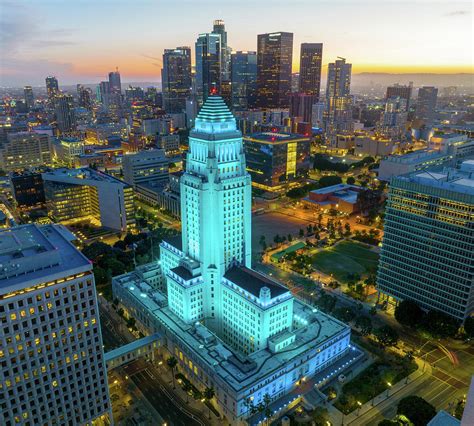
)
(274, 60)
(29, 97)
(400, 91)
(176, 79)
(65, 115)
(170, 143)
(134, 94)
(229, 327)
(393, 120)
(68, 148)
(27, 188)
(25, 149)
(145, 167)
(208, 65)
(84, 97)
(311, 56)
(374, 146)
(115, 84)
(426, 105)
(277, 160)
(51, 353)
(429, 241)
(219, 28)
(301, 106)
(52, 86)
(338, 114)
(77, 195)
(244, 80)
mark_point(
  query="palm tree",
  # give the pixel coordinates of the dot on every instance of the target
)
(172, 362)
(208, 395)
(187, 388)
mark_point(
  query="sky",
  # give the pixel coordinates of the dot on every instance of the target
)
(80, 41)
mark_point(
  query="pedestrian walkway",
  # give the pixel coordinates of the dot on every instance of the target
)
(388, 398)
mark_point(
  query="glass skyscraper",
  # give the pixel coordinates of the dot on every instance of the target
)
(208, 65)
(176, 79)
(274, 60)
(311, 56)
(244, 80)
(52, 86)
(426, 104)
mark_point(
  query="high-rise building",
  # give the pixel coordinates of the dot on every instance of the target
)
(145, 167)
(104, 91)
(29, 97)
(27, 188)
(115, 84)
(276, 160)
(84, 97)
(301, 106)
(311, 56)
(393, 120)
(274, 60)
(429, 240)
(74, 195)
(25, 149)
(51, 353)
(176, 79)
(244, 80)
(208, 65)
(338, 114)
(64, 110)
(400, 91)
(52, 86)
(219, 28)
(426, 104)
(228, 326)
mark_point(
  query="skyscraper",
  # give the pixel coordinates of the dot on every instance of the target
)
(114, 82)
(219, 28)
(426, 104)
(301, 106)
(84, 96)
(52, 360)
(338, 114)
(52, 86)
(398, 90)
(244, 80)
(64, 110)
(428, 243)
(310, 69)
(274, 59)
(29, 97)
(104, 91)
(176, 78)
(208, 65)
(394, 119)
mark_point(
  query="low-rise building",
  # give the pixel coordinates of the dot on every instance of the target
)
(145, 167)
(374, 146)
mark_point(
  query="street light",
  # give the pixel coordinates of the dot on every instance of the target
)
(388, 389)
(360, 405)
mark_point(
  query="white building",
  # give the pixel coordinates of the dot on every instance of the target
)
(230, 327)
(145, 167)
(51, 357)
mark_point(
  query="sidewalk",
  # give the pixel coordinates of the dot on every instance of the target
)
(390, 397)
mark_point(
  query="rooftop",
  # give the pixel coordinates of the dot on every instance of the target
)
(83, 174)
(275, 138)
(253, 282)
(32, 254)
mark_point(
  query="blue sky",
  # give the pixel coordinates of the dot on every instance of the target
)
(80, 41)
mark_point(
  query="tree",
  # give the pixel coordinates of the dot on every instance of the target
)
(440, 324)
(350, 180)
(208, 395)
(347, 230)
(263, 243)
(386, 336)
(469, 326)
(364, 324)
(327, 303)
(418, 411)
(344, 314)
(320, 416)
(172, 362)
(329, 181)
(301, 233)
(290, 238)
(187, 388)
(409, 313)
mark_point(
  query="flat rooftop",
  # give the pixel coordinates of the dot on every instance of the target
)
(312, 328)
(416, 157)
(32, 254)
(275, 137)
(83, 174)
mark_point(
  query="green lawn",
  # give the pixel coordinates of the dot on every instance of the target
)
(347, 257)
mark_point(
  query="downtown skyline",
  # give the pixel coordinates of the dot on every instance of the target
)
(78, 46)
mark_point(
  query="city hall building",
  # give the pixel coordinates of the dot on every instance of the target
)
(230, 328)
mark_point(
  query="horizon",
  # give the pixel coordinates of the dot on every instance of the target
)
(86, 40)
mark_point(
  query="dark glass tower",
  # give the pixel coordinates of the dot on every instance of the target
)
(114, 82)
(208, 65)
(244, 80)
(52, 86)
(310, 69)
(176, 78)
(274, 59)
